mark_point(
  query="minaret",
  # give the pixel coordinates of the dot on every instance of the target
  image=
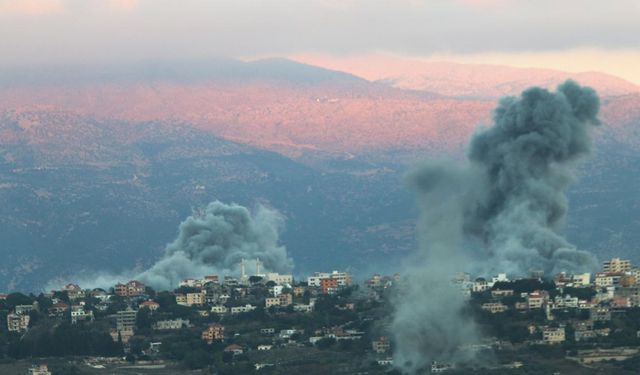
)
(242, 269)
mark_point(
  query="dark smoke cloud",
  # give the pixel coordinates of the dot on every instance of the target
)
(511, 197)
(215, 240)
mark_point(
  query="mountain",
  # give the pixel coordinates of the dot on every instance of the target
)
(80, 195)
(279, 105)
(463, 80)
(98, 166)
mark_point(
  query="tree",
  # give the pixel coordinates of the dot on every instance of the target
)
(143, 319)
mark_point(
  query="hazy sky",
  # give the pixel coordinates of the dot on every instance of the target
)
(575, 34)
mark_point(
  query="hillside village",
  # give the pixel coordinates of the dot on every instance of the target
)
(326, 323)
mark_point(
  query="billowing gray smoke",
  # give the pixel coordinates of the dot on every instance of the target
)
(216, 240)
(509, 198)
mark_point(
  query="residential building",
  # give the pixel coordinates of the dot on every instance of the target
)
(267, 331)
(242, 309)
(219, 309)
(286, 299)
(73, 291)
(381, 345)
(553, 335)
(212, 333)
(78, 314)
(604, 280)
(195, 299)
(494, 307)
(343, 278)
(181, 299)
(536, 299)
(151, 305)
(42, 369)
(58, 309)
(616, 265)
(298, 291)
(600, 314)
(18, 322)
(171, 324)
(234, 348)
(328, 285)
(583, 279)
(131, 289)
(271, 301)
(479, 285)
(126, 320)
(279, 279)
(25, 309)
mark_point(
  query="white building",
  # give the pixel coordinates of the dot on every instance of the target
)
(279, 279)
(17, 322)
(219, 309)
(343, 278)
(171, 324)
(242, 309)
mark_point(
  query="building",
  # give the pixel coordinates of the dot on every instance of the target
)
(25, 309)
(328, 285)
(58, 309)
(499, 293)
(553, 335)
(212, 333)
(195, 299)
(131, 289)
(604, 279)
(151, 305)
(267, 331)
(242, 309)
(234, 348)
(583, 279)
(271, 301)
(18, 322)
(381, 345)
(600, 314)
(126, 320)
(480, 285)
(536, 299)
(279, 279)
(171, 324)
(219, 309)
(73, 291)
(181, 299)
(286, 299)
(616, 265)
(494, 307)
(78, 314)
(343, 278)
(42, 369)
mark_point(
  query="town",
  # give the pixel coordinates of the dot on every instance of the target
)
(327, 323)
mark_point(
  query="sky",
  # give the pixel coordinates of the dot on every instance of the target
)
(572, 35)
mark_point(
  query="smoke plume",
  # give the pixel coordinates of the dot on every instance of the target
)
(509, 198)
(215, 240)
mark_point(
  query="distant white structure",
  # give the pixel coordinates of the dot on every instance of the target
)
(279, 279)
(342, 278)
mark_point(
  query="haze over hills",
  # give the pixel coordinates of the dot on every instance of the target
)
(105, 162)
(463, 80)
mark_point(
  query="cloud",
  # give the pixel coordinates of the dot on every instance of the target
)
(123, 5)
(31, 7)
(89, 30)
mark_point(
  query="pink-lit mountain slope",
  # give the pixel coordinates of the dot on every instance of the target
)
(317, 110)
